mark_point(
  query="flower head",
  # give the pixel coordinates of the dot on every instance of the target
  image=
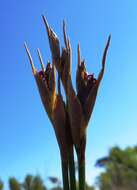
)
(53, 102)
(70, 118)
(80, 104)
(53, 42)
(62, 62)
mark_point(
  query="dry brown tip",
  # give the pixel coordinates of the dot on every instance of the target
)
(30, 59)
(41, 60)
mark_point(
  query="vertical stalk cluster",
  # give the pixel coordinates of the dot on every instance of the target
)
(69, 119)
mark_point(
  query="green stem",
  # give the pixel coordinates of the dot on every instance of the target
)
(81, 162)
(70, 149)
(72, 169)
(65, 174)
(81, 172)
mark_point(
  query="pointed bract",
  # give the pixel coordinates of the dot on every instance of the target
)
(100, 76)
(53, 41)
(90, 102)
(41, 61)
(64, 33)
(30, 59)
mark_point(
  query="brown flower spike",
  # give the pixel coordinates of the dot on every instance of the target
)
(53, 102)
(69, 119)
(80, 104)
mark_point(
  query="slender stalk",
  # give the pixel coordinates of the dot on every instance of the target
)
(81, 162)
(59, 88)
(81, 172)
(70, 151)
(65, 174)
(72, 169)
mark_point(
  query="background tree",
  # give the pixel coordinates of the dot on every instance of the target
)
(33, 183)
(14, 184)
(89, 187)
(120, 170)
(1, 185)
(56, 188)
(38, 183)
(28, 181)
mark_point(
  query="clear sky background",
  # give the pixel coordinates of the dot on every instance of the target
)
(27, 140)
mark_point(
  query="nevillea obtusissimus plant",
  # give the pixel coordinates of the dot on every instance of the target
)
(69, 118)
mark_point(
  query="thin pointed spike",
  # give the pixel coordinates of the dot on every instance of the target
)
(52, 79)
(64, 33)
(59, 88)
(41, 60)
(69, 45)
(100, 76)
(70, 57)
(46, 24)
(79, 58)
(105, 51)
(30, 58)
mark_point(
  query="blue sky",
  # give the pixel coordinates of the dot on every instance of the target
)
(27, 140)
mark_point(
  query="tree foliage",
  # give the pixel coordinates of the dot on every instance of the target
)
(33, 183)
(120, 170)
(30, 183)
(1, 185)
(89, 187)
(14, 184)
